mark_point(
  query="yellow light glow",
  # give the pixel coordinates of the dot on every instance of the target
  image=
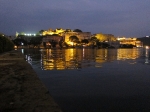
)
(15, 47)
(71, 43)
(147, 47)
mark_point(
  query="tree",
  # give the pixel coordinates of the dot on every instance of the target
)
(85, 41)
(68, 30)
(74, 39)
(60, 43)
(36, 41)
(101, 37)
(53, 43)
(64, 44)
(41, 31)
(94, 39)
(18, 41)
(5, 44)
(77, 30)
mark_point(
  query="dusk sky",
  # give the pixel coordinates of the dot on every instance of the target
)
(130, 18)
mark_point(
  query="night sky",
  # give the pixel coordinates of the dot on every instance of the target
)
(130, 18)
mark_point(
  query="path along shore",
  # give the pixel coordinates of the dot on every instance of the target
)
(20, 88)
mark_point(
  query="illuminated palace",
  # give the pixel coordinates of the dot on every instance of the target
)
(65, 34)
(60, 34)
(81, 36)
(132, 41)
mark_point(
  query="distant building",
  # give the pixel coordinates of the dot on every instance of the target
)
(47, 40)
(105, 37)
(66, 33)
(51, 31)
(132, 41)
(80, 35)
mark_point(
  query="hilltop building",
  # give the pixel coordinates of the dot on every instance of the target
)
(65, 34)
(51, 31)
(80, 35)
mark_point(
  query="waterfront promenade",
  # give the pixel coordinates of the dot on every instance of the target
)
(20, 88)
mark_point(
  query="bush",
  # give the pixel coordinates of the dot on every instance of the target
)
(5, 44)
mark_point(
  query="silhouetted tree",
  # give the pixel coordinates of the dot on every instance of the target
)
(127, 46)
(60, 43)
(5, 44)
(36, 41)
(77, 30)
(53, 43)
(74, 39)
(94, 41)
(85, 41)
(68, 30)
(19, 41)
(41, 31)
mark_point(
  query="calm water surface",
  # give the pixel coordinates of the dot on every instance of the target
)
(95, 80)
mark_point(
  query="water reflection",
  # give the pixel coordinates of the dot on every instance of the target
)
(123, 54)
(146, 55)
(80, 58)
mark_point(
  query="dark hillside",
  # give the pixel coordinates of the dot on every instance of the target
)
(145, 40)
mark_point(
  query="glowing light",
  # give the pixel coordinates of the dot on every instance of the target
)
(22, 50)
(147, 47)
(71, 43)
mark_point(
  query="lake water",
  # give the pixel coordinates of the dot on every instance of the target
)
(95, 80)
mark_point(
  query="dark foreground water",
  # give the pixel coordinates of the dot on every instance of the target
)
(95, 80)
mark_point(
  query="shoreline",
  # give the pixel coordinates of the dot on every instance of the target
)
(21, 89)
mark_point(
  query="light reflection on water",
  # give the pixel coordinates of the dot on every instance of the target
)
(81, 58)
(94, 80)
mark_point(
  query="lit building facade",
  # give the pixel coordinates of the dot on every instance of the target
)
(51, 31)
(51, 38)
(66, 33)
(80, 35)
(132, 41)
(105, 37)
(108, 38)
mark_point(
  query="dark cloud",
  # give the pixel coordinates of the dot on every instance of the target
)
(119, 17)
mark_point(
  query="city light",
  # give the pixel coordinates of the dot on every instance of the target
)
(15, 47)
(29, 34)
(147, 47)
